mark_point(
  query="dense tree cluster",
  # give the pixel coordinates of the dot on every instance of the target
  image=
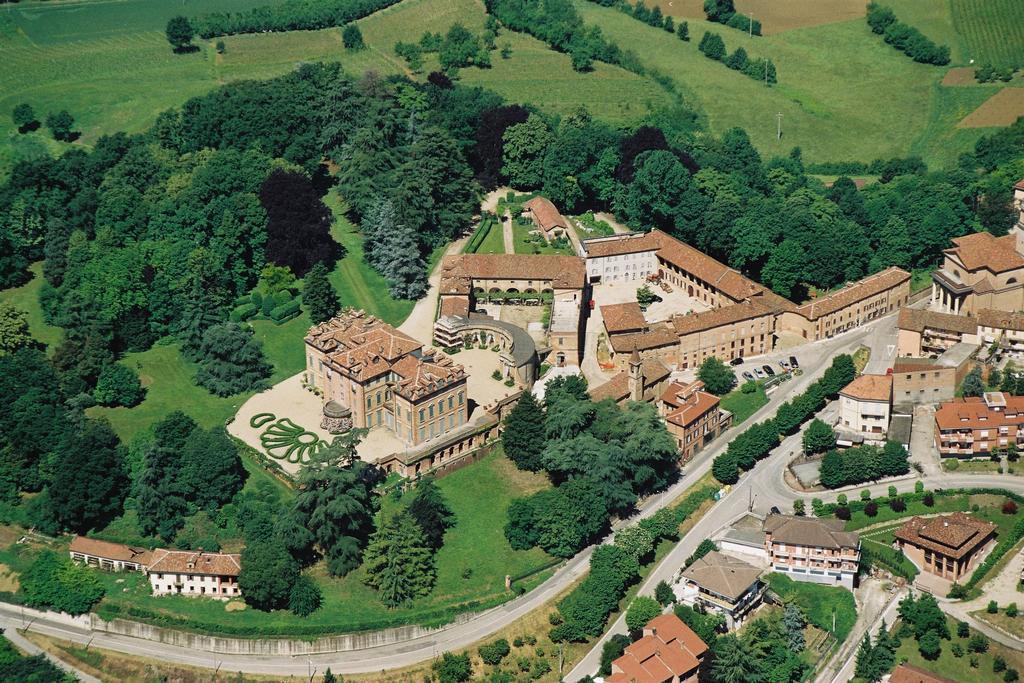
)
(291, 15)
(763, 652)
(923, 620)
(585, 610)
(54, 582)
(457, 48)
(876, 659)
(600, 457)
(759, 439)
(761, 69)
(724, 12)
(863, 463)
(908, 39)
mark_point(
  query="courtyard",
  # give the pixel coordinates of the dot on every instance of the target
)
(676, 302)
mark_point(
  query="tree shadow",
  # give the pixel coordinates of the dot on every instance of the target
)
(186, 49)
(30, 127)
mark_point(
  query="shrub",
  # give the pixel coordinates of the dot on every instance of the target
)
(118, 385)
(453, 668)
(929, 645)
(865, 495)
(957, 592)
(998, 664)
(919, 487)
(493, 653)
(1009, 508)
(305, 597)
(843, 513)
(244, 312)
(665, 596)
(977, 643)
(1011, 609)
(957, 650)
(286, 311)
(1011, 675)
(897, 505)
(993, 607)
(928, 499)
(871, 509)
(963, 629)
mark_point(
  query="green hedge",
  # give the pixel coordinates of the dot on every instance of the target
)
(693, 501)
(285, 312)
(478, 235)
(244, 312)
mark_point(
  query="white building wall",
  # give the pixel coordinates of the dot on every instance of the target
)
(203, 585)
(622, 267)
(869, 418)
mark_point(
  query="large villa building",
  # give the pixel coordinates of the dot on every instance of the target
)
(981, 271)
(975, 426)
(380, 377)
(948, 546)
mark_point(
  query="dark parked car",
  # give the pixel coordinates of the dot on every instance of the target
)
(747, 376)
(792, 361)
(736, 361)
(775, 510)
(768, 370)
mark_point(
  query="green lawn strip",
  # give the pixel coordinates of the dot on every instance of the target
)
(26, 298)
(478, 494)
(743, 405)
(818, 602)
(959, 668)
(943, 504)
(858, 100)
(494, 240)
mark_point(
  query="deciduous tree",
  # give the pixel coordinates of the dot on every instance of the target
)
(718, 378)
(179, 33)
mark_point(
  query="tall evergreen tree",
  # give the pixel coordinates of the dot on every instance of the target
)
(159, 499)
(380, 219)
(402, 264)
(523, 437)
(972, 384)
(865, 659)
(431, 512)
(318, 295)
(793, 621)
(231, 361)
(399, 562)
(211, 469)
(735, 661)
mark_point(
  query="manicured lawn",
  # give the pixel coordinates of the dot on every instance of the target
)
(859, 520)
(860, 99)
(494, 240)
(524, 245)
(743, 405)
(26, 298)
(818, 602)
(959, 668)
(471, 568)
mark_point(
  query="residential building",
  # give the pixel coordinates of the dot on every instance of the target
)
(385, 378)
(644, 380)
(627, 318)
(560, 281)
(928, 381)
(908, 673)
(546, 217)
(194, 573)
(948, 546)
(658, 341)
(693, 416)
(980, 271)
(668, 652)
(734, 331)
(865, 406)
(724, 584)
(620, 258)
(930, 333)
(972, 427)
(811, 549)
(1002, 328)
(853, 305)
(113, 557)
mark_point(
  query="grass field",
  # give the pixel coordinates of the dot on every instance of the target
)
(991, 29)
(478, 494)
(857, 100)
(818, 603)
(743, 405)
(494, 240)
(959, 668)
(26, 298)
(119, 72)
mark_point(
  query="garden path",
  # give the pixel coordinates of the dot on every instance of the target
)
(506, 233)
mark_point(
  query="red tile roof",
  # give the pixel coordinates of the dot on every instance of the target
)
(621, 244)
(545, 214)
(191, 562)
(454, 305)
(908, 673)
(654, 338)
(919, 320)
(653, 372)
(625, 317)
(983, 250)
(973, 413)
(716, 317)
(862, 289)
(562, 272)
(1001, 320)
(702, 266)
(689, 404)
(109, 551)
(954, 535)
(670, 649)
(869, 388)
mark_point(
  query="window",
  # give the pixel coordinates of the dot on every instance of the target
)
(451, 402)
(460, 398)
(369, 401)
(430, 410)
(422, 418)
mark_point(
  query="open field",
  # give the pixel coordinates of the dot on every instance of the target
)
(119, 72)
(959, 668)
(471, 568)
(991, 29)
(26, 298)
(775, 16)
(1001, 109)
(874, 102)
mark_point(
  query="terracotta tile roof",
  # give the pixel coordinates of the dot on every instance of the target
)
(908, 673)
(632, 243)
(454, 306)
(677, 392)
(915, 365)
(983, 250)
(869, 388)
(671, 649)
(109, 551)
(728, 576)
(862, 289)
(653, 372)
(562, 272)
(702, 266)
(810, 531)
(625, 317)
(1019, 185)
(918, 320)
(654, 338)
(954, 535)
(191, 562)
(716, 317)
(692, 408)
(545, 214)
(973, 413)
(364, 347)
(1001, 320)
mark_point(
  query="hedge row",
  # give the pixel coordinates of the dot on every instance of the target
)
(285, 312)
(905, 38)
(759, 439)
(242, 313)
(1003, 547)
(293, 15)
(478, 235)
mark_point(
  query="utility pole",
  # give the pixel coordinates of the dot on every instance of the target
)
(778, 130)
(750, 30)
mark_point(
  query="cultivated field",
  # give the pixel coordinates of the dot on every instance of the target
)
(1001, 109)
(775, 16)
(992, 30)
(859, 99)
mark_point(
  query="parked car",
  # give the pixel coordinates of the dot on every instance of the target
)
(775, 510)
(736, 361)
(760, 373)
(792, 361)
(747, 376)
(768, 370)
(784, 365)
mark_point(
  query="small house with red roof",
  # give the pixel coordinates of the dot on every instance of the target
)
(693, 416)
(668, 652)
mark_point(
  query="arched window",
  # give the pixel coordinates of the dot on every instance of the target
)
(1011, 281)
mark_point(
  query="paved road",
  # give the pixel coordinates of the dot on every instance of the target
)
(10, 626)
